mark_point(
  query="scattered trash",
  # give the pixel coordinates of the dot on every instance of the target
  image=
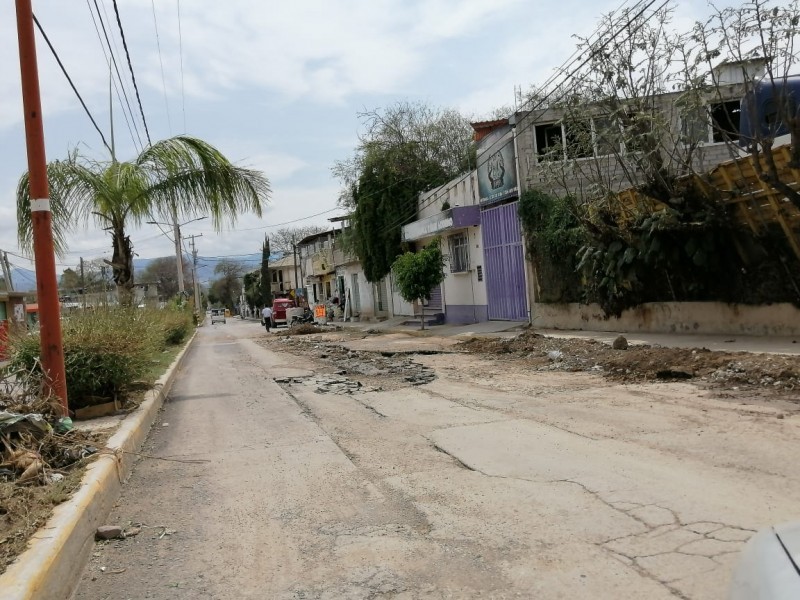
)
(555, 355)
(63, 425)
(54, 477)
(14, 423)
(165, 424)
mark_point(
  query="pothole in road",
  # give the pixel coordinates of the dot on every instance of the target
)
(355, 371)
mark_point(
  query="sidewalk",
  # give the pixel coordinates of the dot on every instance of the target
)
(727, 343)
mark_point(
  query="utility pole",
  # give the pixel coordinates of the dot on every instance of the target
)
(194, 273)
(178, 254)
(294, 250)
(105, 285)
(83, 286)
(7, 272)
(41, 217)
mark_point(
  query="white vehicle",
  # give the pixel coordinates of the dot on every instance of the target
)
(217, 315)
(769, 566)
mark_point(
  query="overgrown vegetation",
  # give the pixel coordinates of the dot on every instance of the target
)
(690, 252)
(407, 148)
(107, 351)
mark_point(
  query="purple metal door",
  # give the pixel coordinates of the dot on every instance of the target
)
(504, 260)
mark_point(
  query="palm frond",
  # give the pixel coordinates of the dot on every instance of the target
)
(73, 188)
(190, 177)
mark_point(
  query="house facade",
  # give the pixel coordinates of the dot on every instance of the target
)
(452, 214)
(284, 277)
(12, 317)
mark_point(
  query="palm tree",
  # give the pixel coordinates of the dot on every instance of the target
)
(181, 177)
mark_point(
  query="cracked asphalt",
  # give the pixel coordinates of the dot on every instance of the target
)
(283, 475)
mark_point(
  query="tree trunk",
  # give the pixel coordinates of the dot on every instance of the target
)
(422, 313)
(122, 266)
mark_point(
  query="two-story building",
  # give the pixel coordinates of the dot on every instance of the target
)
(451, 213)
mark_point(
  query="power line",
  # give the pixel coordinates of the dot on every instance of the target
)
(130, 67)
(113, 61)
(542, 100)
(161, 62)
(69, 79)
(180, 52)
(324, 212)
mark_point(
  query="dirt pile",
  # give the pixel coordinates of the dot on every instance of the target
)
(643, 363)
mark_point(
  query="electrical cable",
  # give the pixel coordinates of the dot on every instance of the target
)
(161, 62)
(541, 101)
(113, 61)
(180, 52)
(130, 67)
(69, 79)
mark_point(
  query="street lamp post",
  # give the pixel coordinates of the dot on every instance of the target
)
(176, 229)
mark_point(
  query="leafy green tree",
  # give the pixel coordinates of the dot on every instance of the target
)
(407, 148)
(69, 281)
(227, 288)
(164, 272)
(180, 177)
(417, 273)
(252, 288)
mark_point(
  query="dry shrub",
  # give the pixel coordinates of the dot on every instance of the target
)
(105, 351)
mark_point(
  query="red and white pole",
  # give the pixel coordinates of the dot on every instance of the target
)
(43, 249)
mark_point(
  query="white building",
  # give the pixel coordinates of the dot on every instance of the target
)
(450, 212)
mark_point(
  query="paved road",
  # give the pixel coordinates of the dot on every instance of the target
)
(486, 483)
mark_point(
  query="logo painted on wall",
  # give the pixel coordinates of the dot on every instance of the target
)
(497, 174)
(496, 170)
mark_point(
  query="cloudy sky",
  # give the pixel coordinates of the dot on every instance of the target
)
(275, 85)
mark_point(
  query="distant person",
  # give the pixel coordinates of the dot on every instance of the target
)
(266, 317)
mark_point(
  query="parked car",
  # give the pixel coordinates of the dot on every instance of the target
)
(218, 315)
(279, 306)
(769, 566)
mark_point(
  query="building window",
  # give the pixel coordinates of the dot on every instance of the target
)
(549, 141)
(725, 118)
(606, 136)
(714, 123)
(579, 139)
(459, 253)
(599, 136)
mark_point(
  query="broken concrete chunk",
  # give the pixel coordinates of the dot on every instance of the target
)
(108, 532)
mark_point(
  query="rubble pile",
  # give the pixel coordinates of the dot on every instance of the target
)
(367, 371)
(628, 362)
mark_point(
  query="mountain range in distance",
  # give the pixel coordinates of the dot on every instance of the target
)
(25, 279)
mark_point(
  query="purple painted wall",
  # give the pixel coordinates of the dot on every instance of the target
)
(466, 216)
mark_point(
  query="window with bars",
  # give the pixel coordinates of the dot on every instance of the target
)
(459, 253)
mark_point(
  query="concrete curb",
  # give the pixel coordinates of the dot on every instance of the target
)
(52, 565)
